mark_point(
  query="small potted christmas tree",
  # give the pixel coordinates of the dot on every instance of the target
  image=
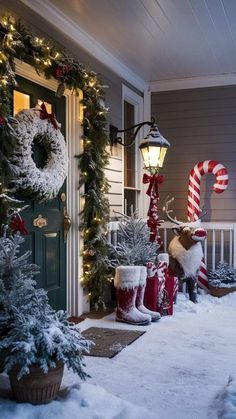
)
(222, 281)
(35, 340)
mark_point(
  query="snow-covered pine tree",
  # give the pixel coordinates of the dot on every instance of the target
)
(31, 332)
(223, 275)
(133, 247)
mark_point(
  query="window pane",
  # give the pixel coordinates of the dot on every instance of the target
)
(48, 105)
(20, 101)
(129, 152)
(130, 197)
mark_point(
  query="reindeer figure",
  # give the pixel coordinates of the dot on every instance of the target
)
(185, 251)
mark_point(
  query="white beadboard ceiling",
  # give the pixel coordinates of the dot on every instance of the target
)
(159, 39)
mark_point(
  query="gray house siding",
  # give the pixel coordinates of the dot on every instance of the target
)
(200, 125)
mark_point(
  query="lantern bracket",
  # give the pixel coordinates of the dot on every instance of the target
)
(114, 139)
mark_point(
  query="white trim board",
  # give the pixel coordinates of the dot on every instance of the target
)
(75, 299)
(193, 82)
(53, 15)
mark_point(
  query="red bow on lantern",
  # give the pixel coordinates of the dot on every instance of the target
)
(17, 224)
(154, 181)
(51, 116)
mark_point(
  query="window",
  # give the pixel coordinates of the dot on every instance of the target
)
(47, 105)
(130, 193)
(20, 101)
(132, 114)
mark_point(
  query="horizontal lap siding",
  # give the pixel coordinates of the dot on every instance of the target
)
(113, 173)
(200, 125)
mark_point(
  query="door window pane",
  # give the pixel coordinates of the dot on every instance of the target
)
(48, 105)
(129, 152)
(20, 101)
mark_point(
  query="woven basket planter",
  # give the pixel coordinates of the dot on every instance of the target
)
(220, 291)
(36, 387)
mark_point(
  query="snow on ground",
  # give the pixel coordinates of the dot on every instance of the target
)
(183, 367)
(85, 401)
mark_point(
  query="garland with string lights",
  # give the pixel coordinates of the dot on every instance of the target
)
(18, 42)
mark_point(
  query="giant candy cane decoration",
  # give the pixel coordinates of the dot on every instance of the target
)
(194, 210)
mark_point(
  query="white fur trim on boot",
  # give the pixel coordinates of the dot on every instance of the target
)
(127, 277)
(140, 296)
(143, 275)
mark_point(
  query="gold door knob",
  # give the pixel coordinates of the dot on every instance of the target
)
(67, 224)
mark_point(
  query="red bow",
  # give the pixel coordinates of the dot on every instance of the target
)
(154, 181)
(17, 224)
(2, 120)
(51, 116)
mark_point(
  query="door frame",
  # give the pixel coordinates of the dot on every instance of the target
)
(76, 300)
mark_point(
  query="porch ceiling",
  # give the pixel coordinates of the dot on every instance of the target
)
(160, 39)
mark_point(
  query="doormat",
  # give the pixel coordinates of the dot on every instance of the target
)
(109, 342)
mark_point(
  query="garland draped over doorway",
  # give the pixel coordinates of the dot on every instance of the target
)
(18, 42)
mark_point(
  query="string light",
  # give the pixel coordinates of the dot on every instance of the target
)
(92, 83)
(4, 81)
(4, 22)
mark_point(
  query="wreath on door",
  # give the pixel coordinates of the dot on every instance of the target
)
(37, 126)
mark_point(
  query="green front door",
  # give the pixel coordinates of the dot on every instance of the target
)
(46, 243)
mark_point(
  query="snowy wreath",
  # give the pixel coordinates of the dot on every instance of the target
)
(34, 182)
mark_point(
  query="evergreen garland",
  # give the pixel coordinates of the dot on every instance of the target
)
(18, 42)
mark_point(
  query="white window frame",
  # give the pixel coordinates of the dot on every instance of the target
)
(130, 96)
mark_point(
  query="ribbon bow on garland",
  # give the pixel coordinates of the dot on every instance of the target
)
(51, 116)
(153, 218)
(17, 224)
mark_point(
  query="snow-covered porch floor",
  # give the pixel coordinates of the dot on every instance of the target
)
(175, 370)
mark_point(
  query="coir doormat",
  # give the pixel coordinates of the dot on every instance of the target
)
(108, 342)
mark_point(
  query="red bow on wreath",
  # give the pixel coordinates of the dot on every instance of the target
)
(51, 116)
(17, 224)
(154, 181)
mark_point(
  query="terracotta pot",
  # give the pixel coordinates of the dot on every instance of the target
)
(220, 291)
(36, 387)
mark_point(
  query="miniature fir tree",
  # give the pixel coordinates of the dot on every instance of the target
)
(31, 332)
(133, 247)
(224, 275)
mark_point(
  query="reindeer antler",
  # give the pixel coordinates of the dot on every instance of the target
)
(168, 211)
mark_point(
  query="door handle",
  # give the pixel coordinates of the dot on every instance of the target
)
(67, 224)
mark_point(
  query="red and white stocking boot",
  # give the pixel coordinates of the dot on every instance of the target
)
(126, 283)
(140, 295)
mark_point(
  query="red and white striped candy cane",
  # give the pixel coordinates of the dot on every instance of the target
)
(194, 210)
(161, 275)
